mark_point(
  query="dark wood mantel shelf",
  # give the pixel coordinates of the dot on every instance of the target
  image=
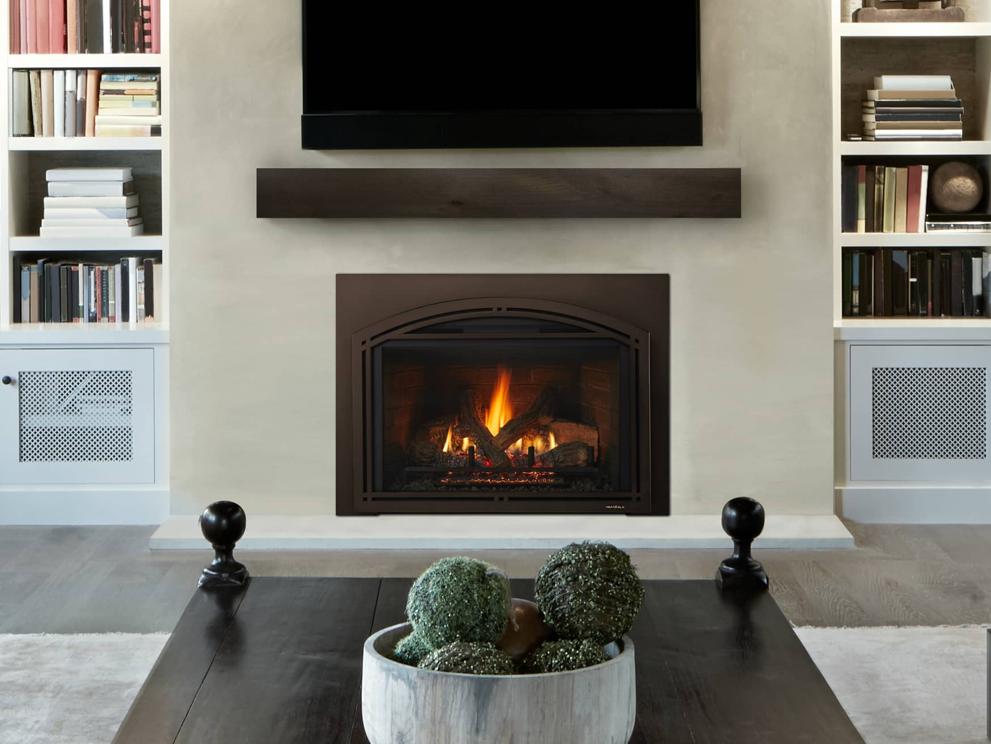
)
(364, 193)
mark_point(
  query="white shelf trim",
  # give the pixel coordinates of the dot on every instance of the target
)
(928, 148)
(96, 144)
(83, 61)
(916, 240)
(966, 29)
(34, 244)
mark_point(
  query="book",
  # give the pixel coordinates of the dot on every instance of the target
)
(56, 26)
(37, 126)
(912, 95)
(127, 120)
(58, 102)
(92, 87)
(92, 202)
(89, 174)
(849, 198)
(90, 213)
(915, 117)
(959, 226)
(42, 36)
(146, 33)
(108, 23)
(21, 99)
(861, 198)
(15, 27)
(47, 104)
(913, 82)
(96, 222)
(93, 26)
(91, 232)
(890, 180)
(914, 199)
(70, 103)
(30, 26)
(81, 76)
(156, 21)
(128, 130)
(901, 200)
(72, 26)
(91, 188)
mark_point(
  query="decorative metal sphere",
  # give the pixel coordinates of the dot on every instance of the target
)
(956, 187)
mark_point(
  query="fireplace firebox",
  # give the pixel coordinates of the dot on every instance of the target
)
(502, 393)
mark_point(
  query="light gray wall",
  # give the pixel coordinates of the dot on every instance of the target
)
(253, 300)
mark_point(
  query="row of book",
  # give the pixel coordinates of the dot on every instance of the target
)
(92, 203)
(85, 103)
(85, 26)
(879, 198)
(912, 107)
(128, 291)
(934, 282)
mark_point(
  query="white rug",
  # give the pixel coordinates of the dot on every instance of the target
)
(904, 685)
(70, 689)
(907, 685)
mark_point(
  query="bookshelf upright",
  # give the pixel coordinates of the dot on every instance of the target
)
(84, 420)
(913, 394)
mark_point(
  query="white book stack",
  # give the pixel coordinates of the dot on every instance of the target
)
(912, 107)
(91, 203)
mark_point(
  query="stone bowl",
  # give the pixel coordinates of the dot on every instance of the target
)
(400, 703)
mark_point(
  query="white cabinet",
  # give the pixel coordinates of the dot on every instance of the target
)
(77, 416)
(919, 413)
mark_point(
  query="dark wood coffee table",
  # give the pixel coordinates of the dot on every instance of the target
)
(280, 661)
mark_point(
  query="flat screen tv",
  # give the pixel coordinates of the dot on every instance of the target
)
(503, 75)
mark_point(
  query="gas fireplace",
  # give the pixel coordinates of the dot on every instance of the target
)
(504, 393)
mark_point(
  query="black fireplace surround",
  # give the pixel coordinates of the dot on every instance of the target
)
(505, 393)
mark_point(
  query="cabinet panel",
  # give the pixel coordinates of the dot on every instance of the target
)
(920, 413)
(77, 416)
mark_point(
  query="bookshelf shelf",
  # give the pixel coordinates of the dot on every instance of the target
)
(35, 244)
(912, 329)
(89, 334)
(83, 61)
(86, 144)
(966, 30)
(915, 149)
(916, 240)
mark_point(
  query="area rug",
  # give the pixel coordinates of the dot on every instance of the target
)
(71, 689)
(906, 685)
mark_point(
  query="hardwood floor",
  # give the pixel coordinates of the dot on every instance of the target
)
(104, 579)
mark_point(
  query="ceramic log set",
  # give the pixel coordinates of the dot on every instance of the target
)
(401, 703)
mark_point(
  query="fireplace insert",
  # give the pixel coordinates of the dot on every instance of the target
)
(502, 394)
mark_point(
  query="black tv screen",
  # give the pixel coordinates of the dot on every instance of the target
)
(427, 76)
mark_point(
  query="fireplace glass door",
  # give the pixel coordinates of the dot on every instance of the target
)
(500, 405)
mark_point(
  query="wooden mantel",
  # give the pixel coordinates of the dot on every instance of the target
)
(366, 193)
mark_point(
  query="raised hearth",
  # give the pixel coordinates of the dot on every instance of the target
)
(502, 393)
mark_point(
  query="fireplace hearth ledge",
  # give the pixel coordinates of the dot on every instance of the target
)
(533, 532)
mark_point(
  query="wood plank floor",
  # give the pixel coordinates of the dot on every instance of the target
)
(104, 579)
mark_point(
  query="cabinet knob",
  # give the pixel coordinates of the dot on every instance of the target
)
(7, 380)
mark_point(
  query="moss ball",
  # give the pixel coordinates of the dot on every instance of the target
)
(411, 650)
(459, 599)
(468, 658)
(589, 590)
(564, 656)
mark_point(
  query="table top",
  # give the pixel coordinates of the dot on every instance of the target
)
(280, 661)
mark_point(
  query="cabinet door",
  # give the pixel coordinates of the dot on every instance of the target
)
(920, 413)
(77, 416)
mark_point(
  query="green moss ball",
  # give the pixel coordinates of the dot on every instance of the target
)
(411, 650)
(563, 656)
(589, 591)
(459, 599)
(468, 658)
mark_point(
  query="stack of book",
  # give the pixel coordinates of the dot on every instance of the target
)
(934, 282)
(129, 105)
(85, 103)
(879, 198)
(91, 202)
(85, 26)
(128, 291)
(913, 107)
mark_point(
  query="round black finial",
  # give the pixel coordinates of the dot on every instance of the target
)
(743, 521)
(223, 524)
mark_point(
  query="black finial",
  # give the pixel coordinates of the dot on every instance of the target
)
(223, 524)
(743, 520)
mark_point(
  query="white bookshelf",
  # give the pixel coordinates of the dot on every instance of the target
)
(96, 492)
(889, 367)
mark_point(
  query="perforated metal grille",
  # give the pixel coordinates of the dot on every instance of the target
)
(924, 413)
(77, 416)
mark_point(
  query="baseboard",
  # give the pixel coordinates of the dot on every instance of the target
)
(921, 504)
(327, 532)
(83, 506)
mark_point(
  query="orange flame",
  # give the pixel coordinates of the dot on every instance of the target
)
(465, 443)
(500, 411)
(447, 442)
